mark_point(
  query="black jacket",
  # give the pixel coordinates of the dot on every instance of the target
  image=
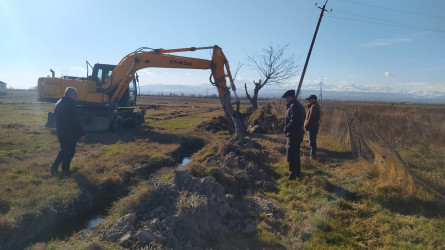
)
(295, 116)
(67, 119)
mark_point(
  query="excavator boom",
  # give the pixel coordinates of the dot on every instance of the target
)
(124, 72)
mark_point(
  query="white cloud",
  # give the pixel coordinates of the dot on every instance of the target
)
(188, 74)
(78, 68)
(385, 42)
(387, 74)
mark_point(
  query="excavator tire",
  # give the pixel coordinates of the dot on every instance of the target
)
(117, 123)
(137, 119)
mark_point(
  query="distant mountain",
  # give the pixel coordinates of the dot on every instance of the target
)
(350, 92)
(164, 89)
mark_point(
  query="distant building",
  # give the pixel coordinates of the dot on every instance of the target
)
(3, 89)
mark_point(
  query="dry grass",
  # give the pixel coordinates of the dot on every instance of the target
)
(104, 167)
(340, 203)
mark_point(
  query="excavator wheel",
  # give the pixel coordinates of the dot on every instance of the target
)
(137, 119)
(117, 123)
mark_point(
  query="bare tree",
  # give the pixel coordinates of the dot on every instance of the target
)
(238, 67)
(274, 67)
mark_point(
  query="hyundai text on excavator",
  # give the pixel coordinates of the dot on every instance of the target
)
(106, 98)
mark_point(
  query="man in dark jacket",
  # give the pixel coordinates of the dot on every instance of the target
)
(312, 123)
(294, 132)
(68, 130)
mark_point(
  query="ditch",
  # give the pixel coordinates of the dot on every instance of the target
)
(60, 226)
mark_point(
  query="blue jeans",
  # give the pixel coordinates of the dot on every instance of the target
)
(313, 142)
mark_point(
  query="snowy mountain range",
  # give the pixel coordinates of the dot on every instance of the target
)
(349, 92)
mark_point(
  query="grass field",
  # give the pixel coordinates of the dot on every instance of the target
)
(341, 202)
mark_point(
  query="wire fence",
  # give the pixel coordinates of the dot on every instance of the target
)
(405, 142)
(366, 142)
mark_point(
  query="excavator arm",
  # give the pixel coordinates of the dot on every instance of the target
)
(124, 72)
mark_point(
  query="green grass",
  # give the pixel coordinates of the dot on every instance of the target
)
(107, 162)
(309, 214)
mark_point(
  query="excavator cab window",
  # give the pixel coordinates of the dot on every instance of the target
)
(99, 77)
(101, 72)
(132, 91)
(129, 96)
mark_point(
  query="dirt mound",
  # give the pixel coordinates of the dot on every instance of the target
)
(208, 210)
(187, 212)
(237, 165)
(263, 121)
(216, 124)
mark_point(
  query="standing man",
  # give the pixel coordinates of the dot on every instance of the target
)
(68, 130)
(312, 123)
(294, 132)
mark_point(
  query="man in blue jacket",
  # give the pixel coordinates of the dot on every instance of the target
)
(68, 130)
(294, 131)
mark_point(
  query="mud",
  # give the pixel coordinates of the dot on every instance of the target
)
(187, 212)
(216, 124)
(198, 212)
(263, 121)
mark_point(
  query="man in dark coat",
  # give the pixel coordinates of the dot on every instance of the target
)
(294, 131)
(312, 123)
(68, 130)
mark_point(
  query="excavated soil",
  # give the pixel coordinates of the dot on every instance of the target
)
(192, 212)
(263, 121)
(216, 124)
(237, 165)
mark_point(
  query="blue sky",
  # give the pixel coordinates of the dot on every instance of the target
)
(374, 44)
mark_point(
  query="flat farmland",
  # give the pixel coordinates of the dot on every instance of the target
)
(342, 201)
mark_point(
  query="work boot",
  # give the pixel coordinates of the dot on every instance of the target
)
(52, 170)
(293, 176)
(66, 173)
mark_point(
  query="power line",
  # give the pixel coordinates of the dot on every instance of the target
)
(387, 24)
(379, 19)
(394, 23)
(392, 9)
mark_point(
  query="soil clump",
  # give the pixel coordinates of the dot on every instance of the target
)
(263, 121)
(208, 210)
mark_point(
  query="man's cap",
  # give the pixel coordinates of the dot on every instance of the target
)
(312, 97)
(290, 92)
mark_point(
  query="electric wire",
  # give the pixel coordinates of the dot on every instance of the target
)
(388, 24)
(379, 19)
(392, 9)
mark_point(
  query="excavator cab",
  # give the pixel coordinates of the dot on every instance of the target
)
(101, 72)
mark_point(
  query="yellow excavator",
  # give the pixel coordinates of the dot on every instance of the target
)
(106, 98)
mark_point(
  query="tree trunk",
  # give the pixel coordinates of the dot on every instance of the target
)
(237, 122)
(253, 100)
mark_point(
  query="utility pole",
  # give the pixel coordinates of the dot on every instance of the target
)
(312, 45)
